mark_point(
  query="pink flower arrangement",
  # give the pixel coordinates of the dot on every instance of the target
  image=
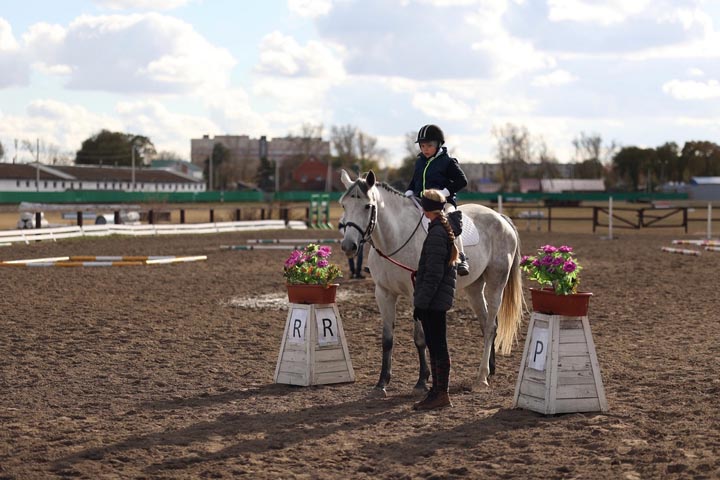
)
(311, 266)
(555, 267)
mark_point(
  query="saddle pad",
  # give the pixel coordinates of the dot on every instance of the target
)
(469, 236)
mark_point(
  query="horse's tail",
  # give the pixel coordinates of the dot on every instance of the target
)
(512, 306)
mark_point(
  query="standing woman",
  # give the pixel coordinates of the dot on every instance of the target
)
(434, 295)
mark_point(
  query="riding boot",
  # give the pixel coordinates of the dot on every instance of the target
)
(462, 266)
(441, 396)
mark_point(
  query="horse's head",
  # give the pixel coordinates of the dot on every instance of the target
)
(359, 203)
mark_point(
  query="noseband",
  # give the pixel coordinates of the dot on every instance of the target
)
(367, 232)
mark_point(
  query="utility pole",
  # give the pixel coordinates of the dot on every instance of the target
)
(328, 177)
(37, 165)
(210, 171)
(132, 150)
(277, 176)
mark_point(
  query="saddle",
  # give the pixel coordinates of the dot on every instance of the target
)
(465, 230)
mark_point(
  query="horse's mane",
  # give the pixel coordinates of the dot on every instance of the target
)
(362, 184)
(390, 188)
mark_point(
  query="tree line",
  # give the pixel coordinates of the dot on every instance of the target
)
(518, 153)
(623, 168)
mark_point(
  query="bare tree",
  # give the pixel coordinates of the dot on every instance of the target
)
(343, 142)
(34, 148)
(547, 163)
(310, 140)
(591, 155)
(590, 147)
(354, 147)
(514, 152)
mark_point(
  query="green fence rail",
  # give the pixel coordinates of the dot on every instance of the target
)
(100, 196)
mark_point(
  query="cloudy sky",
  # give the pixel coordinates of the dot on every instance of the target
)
(637, 72)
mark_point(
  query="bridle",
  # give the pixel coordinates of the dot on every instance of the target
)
(366, 236)
(366, 233)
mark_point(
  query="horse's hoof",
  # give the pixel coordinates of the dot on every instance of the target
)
(419, 390)
(378, 392)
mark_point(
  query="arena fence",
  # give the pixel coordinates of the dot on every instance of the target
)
(32, 235)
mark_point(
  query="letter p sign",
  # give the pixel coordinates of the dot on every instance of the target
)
(538, 349)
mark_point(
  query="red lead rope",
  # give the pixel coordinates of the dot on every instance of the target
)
(413, 272)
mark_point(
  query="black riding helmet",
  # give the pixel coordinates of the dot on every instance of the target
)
(431, 133)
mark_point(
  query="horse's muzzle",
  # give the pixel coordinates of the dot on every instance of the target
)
(349, 247)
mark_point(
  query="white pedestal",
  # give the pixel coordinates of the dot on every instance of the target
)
(559, 372)
(314, 350)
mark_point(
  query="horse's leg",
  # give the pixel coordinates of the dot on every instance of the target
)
(387, 302)
(495, 284)
(419, 337)
(476, 294)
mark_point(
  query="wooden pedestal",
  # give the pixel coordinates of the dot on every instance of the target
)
(314, 350)
(559, 372)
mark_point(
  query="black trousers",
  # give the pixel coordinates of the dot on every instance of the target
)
(434, 323)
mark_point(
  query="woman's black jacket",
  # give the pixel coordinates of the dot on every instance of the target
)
(435, 279)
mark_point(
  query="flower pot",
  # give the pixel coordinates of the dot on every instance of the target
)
(311, 294)
(547, 301)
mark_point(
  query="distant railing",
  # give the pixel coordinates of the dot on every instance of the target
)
(58, 233)
(251, 196)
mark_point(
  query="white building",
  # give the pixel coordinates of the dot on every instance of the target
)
(45, 178)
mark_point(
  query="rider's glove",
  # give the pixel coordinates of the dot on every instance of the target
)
(409, 193)
(445, 192)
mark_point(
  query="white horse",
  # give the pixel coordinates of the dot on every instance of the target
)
(391, 223)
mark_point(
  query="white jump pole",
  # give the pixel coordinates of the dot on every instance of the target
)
(709, 222)
(500, 204)
(610, 217)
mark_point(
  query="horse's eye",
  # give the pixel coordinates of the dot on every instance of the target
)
(367, 207)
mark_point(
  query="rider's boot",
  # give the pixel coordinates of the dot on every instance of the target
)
(463, 268)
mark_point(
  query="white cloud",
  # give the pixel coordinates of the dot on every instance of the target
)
(607, 12)
(283, 55)
(167, 130)
(692, 90)
(441, 105)
(232, 112)
(510, 56)
(56, 123)
(142, 4)
(554, 79)
(310, 8)
(696, 72)
(131, 53)
(14, 68)
(7, 39)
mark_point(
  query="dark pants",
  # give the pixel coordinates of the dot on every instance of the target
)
(434, 323)
(356, 264)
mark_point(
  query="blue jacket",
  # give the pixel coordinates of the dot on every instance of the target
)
(440, 172)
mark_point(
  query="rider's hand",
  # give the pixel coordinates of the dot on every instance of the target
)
(409, 193)
(445, 192)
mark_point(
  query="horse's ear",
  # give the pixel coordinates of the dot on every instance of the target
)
(345, 178)
(370, 179)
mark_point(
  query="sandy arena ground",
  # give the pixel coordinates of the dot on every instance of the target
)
(167, 372)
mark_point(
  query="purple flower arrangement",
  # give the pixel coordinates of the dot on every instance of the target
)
(554, 267)
(311, 266)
